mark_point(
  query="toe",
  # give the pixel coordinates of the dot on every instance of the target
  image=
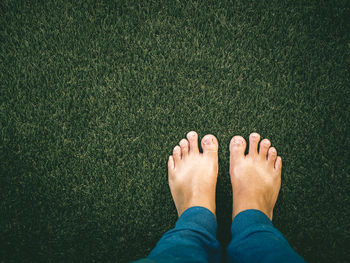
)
(210, 145)
(264, 147)
(192, 137)
(177, 155)
(170, 163)
(278, 164)
(271, 157)
(237, 148)
(254, 139)
(184, 148)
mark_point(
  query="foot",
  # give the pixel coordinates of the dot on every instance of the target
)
(193, 175)
(255, 177)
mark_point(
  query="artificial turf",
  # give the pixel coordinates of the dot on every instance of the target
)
(95, 95)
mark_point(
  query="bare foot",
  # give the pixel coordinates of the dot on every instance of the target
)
(255, 177)
(192, 175)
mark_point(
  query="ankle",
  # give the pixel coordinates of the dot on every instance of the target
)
(243, 205)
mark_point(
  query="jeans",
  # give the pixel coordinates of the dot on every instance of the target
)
(254, 239)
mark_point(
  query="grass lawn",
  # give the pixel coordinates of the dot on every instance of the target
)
(95, 95)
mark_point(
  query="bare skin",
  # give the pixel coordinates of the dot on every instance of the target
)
(193, 175)
(255, 178)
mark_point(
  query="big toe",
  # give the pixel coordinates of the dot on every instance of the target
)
(237, 148)
(210, 145)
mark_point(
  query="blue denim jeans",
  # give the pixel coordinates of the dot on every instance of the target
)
(254, 239)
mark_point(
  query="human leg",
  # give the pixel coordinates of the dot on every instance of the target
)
(256, 181)
(192, 180)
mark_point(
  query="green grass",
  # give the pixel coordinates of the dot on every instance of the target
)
(95, 95)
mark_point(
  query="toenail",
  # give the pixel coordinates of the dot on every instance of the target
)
(254, 135)
(207, 141)
(237, 141)
(191, 135)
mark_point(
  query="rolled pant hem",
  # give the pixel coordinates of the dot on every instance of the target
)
(198, 217)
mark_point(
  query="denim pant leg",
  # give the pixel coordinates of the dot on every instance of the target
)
(255, 239)
(192, 240)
